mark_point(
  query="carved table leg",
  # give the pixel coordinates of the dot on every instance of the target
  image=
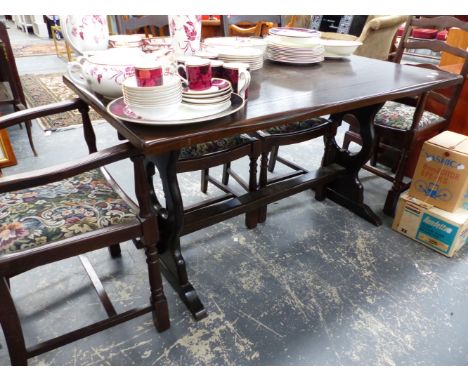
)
(347, 190)
(170, 223)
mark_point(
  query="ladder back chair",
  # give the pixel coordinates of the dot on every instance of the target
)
(270, 141)
(402, 126)
(204, 156)
(150, 25)
(67, 210)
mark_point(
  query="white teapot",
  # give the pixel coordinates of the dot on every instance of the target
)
(85, 32)
(105, 71)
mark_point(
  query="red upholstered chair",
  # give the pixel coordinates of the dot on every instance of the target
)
(400, 31)
(442, 35)
(424, 33)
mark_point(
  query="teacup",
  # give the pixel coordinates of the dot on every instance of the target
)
(238, 74)
(148, 73)
(197, 72)
(217, 68)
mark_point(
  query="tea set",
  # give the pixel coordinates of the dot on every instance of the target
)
(150, 81)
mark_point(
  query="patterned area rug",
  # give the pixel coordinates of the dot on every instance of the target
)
(34, 50)
(44, 89)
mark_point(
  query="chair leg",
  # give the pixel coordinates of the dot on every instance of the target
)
(262, 212)
(115, 251)
(375, 151)
(226, 168)
(157, 299)
(30, 138)
(204, 180)
(346, 140)
(273, 157)
(11, 326)
(398, 186)
(28, 124)
(251, 218)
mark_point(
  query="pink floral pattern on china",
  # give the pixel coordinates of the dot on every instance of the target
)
(79, 30)
(111, 73)
(185, 31)
(86, 32)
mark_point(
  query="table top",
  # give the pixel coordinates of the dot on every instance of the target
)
(281, 93)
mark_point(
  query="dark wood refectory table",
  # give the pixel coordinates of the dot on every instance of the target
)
(278, 94)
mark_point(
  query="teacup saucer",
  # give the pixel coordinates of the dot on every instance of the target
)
(217, 85)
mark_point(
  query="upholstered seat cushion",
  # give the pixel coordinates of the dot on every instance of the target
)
(398, 115)
(297, 126)
(212, 147)
(424, 33)
(44, 214)
(442, 35)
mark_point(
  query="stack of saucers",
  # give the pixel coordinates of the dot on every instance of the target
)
(294, 45)
(217, 97)
(153, 44)
(251, 56)
(126, 41)
(214, 43)
(152, 102)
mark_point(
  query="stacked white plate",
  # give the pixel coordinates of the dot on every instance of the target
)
(238, 42)
(294, 36)
(218, 97)
(251, 56)
(153, 101)
(294, 46)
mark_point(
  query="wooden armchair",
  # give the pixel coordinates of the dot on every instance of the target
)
(67, 210)
(249, 25)
(402, 127)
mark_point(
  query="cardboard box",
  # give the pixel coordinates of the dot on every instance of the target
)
(444, 232)
(441, 174)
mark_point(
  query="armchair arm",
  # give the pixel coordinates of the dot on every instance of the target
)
(238, 30)
(39, 111)
(66, 170)
(380, 23)
(386, 22)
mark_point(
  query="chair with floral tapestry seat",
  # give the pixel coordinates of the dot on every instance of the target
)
(402, 126)
(150, 25)
(270, 141)
(210, 154)
(67, 210)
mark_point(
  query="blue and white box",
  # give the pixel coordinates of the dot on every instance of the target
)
(444, 232)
